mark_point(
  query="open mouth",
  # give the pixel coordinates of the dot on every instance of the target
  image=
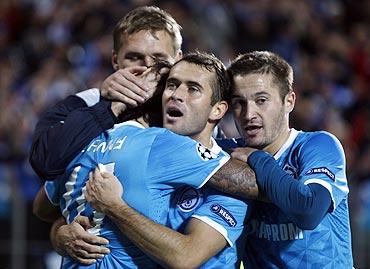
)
(252, 129)
(174, 112)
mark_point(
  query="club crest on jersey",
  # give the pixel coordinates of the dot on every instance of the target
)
(291, 170)
(321, 170)
(189, 199)
(205, 153)
(224, 214)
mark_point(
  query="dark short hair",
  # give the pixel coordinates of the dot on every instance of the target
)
(264, 62)
(221, 86)
(148, 18)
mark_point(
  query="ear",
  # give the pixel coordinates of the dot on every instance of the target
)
(115, 60)
(290, 101)
(218, 110)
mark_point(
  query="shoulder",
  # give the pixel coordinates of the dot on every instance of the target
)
(321, 145)
(322, 139)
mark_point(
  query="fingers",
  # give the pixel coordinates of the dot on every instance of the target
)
(84, 222)
(137, 70)
(124, 91)
(82, 246)
(86, 253)
(124, 86)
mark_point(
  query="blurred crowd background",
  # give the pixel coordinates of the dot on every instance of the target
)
(52, 48)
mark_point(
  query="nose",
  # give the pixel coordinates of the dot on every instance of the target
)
(249, 111)
(179, 93)
(148, 61)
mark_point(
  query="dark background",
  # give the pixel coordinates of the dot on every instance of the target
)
(52, 48)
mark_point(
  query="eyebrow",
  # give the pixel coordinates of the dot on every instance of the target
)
(159, 55)
(173, 80)
(133, 53)
(194, 83)
(188, 82)
(254, 95)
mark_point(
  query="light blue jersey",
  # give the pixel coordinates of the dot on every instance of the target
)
(222, 212)
(150, 164)
(273, 241)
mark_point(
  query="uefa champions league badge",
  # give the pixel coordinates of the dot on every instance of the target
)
(204, 153)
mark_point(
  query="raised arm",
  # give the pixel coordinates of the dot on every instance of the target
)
(65, 129)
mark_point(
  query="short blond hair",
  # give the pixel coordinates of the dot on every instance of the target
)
(149, 18)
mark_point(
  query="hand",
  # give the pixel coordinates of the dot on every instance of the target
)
(132, 86)
(125, 87)
(74, 240)
(103, 191)
(242, 154)
(152, 76)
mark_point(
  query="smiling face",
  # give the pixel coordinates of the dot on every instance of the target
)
(143, 48)
(186, 102)
(261, 116)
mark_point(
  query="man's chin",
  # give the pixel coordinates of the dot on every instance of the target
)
(254, 143)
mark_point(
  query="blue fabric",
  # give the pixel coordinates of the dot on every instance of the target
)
(223, 213)
(150, 164)
(305, 204)
(308, 167)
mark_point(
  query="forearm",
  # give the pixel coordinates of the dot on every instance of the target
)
(236, 178)
(43, 209)
(306, 205)
(167, 247)
(56, 143)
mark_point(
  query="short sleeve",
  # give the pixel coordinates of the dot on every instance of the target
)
(322, 161)
(52, 190)
(178, 160)
(223, 213)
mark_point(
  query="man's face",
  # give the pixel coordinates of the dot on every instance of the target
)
(186, 100)
(260, 115)
(143, 47)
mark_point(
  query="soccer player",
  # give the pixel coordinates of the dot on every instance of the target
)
(141, 37)
(307, 223)
(150, 163)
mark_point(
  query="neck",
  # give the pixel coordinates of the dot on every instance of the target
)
(142, 121)
(274, 147)
(204, 137)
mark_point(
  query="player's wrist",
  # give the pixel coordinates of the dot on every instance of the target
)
(114, 207)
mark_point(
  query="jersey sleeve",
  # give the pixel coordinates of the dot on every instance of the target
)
(322, 161)
(224, 214)
(52, 190)
(176, 160)
(64, 130)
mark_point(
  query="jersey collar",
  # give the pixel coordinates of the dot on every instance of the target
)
(292, 136)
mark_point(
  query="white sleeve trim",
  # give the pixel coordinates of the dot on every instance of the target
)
(48, 196)
(222, 162)
(219, 228)
(90, 96)
(326, 185)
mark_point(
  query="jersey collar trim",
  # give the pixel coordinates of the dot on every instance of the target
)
(293, 134)
(130, 122)
(215, 147)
